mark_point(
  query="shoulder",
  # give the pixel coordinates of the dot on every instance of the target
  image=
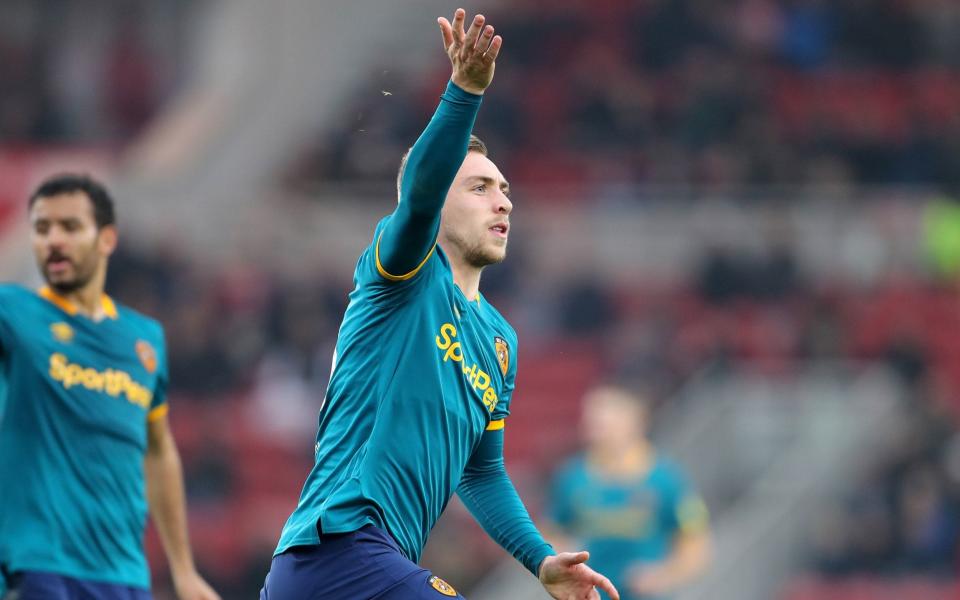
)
(13, 297)
(500, 321)
(140, 323)
(669, 473)
(11, 291)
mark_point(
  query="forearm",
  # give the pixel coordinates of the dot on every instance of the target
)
(167, 501)
(689, 558)
(430, 168)
(490, 496)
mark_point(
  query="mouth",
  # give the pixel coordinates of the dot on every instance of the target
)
(500, 229)
(57, 264)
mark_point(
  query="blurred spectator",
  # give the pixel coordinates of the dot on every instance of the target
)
(632, 509)
(690, 91)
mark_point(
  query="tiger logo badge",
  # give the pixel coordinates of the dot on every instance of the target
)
(147, 355)
(442, 586)
(62, 332)
(503, 354)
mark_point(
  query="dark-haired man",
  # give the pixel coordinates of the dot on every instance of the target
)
(85, 445)
(423, 375)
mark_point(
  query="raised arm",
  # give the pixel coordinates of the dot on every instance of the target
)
(432, 163)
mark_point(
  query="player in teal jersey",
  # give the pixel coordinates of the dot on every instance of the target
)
(423, 376)
(85, 445)
(633, 509)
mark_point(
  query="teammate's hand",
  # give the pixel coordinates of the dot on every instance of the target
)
(192, 587)
(566, 577)
(472, 53)
(649, 582)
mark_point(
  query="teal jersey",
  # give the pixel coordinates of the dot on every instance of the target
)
(77, 396)
(625, 523)
(419, 374)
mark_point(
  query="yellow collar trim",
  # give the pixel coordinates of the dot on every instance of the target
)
(106, 302)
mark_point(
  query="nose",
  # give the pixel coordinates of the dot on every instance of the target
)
(55, 238)
(503, 205)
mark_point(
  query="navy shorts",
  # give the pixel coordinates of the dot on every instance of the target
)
(360, 565)
(38, 585)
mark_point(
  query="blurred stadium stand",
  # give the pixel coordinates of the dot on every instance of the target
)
(748, 207)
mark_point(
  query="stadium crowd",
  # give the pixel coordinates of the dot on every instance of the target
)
(87, 72)
(692, 92)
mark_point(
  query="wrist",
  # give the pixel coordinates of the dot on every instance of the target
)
(182, 569)
(465, 86)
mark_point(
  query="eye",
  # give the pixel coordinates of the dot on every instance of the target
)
(71, 226)
(481, 188)
(41, 227)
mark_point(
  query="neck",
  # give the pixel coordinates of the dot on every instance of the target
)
(88, 300)
(629, 458)
(465, 276)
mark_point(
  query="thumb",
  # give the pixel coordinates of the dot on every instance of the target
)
(569, 559)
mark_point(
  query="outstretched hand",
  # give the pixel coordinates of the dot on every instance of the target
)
(566, 577)
(473, 53)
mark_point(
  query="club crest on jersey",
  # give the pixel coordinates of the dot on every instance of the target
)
(147, 355)
(442, 586)
(62, 332)
(503, 354)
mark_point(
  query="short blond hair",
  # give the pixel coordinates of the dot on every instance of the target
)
(474, 145)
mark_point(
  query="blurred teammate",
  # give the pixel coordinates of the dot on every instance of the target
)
(422, 377)
(632, 509)
(85, 445)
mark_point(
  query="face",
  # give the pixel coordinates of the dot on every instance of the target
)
(475, 221)
(69, 249)
(612, 419)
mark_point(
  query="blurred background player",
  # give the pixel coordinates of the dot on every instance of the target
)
(630, 507)
(85, 446)
(423, 375)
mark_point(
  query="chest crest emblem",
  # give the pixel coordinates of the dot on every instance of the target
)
(503, 354)
(147, 355)
(62, 332)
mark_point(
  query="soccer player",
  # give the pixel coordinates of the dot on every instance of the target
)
(423, 373)
(85, 445)
(631, 508)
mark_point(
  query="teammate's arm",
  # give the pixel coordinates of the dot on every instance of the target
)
(689, 556)
(435, 158)
(167, 501)
(690, 550)
(488, 493)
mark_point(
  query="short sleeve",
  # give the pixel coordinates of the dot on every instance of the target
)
(158, 404)
(687, 512)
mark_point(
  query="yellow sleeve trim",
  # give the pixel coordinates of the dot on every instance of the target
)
(495, 425)
(692, 515)
(158, 413)
(388, 276)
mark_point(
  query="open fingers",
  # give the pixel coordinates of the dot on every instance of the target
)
(446, 30)
(494, 49)
(458, 17)
(470, 41)
(597, 580)
(604, 584)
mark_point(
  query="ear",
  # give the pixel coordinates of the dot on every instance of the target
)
(107, 240)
